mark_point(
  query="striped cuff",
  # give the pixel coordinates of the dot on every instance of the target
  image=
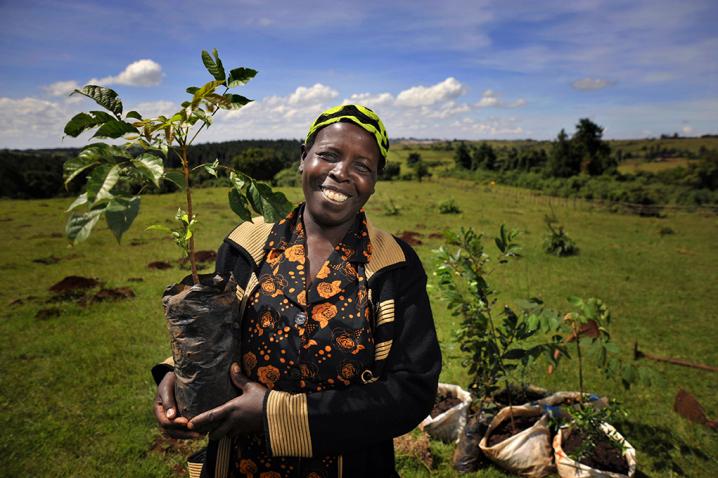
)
(287, 421)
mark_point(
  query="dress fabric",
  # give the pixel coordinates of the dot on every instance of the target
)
(302, 337)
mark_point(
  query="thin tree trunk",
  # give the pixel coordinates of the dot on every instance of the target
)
(188, 192)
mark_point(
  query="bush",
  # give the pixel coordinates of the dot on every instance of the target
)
(449, 207)
(557, 242)
(288, 177)
(391, 171)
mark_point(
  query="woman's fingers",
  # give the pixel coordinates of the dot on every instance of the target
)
(209, 420)
(238, 379)
(166, 394)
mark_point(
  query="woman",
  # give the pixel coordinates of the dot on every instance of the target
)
(339, 351)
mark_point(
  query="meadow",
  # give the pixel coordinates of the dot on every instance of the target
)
(75, 387)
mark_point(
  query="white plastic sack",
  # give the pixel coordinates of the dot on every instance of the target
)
(569, 468)
(448, 425)
(528, 453)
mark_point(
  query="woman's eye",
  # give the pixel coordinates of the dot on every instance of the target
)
(363, 168)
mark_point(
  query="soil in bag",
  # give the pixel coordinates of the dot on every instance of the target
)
(443, 403)
(606, 456)
(204, 336)
(505, 429)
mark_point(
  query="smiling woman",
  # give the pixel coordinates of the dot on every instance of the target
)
(338, 351)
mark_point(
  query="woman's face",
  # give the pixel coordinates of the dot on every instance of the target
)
(339, 172)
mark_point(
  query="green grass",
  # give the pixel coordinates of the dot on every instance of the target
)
(75, 390)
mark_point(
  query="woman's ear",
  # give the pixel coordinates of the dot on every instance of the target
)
(302, 155)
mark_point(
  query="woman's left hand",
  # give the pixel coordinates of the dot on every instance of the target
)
(238, 416)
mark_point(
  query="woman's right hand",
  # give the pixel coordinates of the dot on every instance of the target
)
(166, 411)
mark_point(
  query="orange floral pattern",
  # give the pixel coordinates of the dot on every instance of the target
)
(268, 375)
(329, 289)
(324, 271)
(249, 361)
(295, 253)
(323, 313)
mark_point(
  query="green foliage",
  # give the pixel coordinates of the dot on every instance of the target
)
(495, 343)
(449, 206)
(557, 242)
(588, 421)
(260, 163)
(182, 233)
(391, 171)
(113, 170)
(421, 170)
(391, 209)
(462, 156)
(413, 158)
(483, 157)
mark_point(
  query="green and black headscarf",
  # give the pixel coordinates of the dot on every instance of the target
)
(360, 116)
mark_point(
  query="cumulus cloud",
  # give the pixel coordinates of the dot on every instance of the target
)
(370, 100)
(317, 93)
(33, 122)
(590, 84)
(448, 89)
(61, 88)
(492, 99)
(139, 73)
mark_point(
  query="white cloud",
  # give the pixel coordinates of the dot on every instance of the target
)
(590, 84)
(370, 100)
(428, 95)
(139, 73)
(34, 123)
(317, 93)
(149, 109)
(61, 88)
(492, 99)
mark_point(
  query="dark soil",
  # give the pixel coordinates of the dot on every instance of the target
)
(504, 431)
(436, 235)
(138, 242)
(605, 456)
(113, 294)
(74, 283)
(48, 313)
(519, 396)
(135, 279)
(159, 265)
(201, 256)
(22, 300)
(57, 235)
(47, 260)
(443, 403)
(411, 237)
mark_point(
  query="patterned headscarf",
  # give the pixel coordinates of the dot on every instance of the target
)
(360, 116)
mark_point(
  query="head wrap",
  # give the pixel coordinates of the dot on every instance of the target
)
(360, 116)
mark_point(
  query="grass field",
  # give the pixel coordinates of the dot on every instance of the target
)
(75, 389)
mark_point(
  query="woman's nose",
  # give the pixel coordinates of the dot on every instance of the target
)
(340, 171)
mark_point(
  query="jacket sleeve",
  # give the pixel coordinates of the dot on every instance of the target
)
(336, 420)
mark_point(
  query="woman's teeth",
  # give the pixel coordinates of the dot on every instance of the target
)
(335, 196)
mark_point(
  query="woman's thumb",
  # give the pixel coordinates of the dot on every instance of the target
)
(238, 379)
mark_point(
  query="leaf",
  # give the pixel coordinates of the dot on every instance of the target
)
(272, 205)
(79, 226)
(105, 97)
(134, 114)
(150, 166)
(236, 101)
(206, 90)
(114, 129)
(101, 182)
(120, 213)
(238, 204)
(514, 354)
(159, 227)
(192, 90)
(72, 167)
(212, 168)
(84, 121)
(81, 199)
(240, 76)
(175, 176)
(214, 68)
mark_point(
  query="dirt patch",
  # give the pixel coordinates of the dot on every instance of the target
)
(417, 447)
(74, 284)
(411, 237)
(164, 445)
(48, 313)
(118, 293)
(138, 242)
(201, 257)
(159, 265)
(47, 260)
(22, 300)
(135, 279)
(443, 403)
(508, 429)
(57, 235)
(436, 235)
(6, 219)
(605, 456)
(688, 406)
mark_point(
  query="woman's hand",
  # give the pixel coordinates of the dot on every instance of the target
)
(239, 415)
(166, 410)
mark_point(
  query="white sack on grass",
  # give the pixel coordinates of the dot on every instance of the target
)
(569, 468)
(528, 453)
(448, 425)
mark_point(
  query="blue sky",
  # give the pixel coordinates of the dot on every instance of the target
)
(432, 69)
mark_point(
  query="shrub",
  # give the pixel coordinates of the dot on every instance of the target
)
(391, 171)
(557, 242)
(449, 207)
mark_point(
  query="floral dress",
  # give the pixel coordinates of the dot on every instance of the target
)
(303, 338)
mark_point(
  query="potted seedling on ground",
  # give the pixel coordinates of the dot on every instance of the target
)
(496, 345)
(586, 445)
(200, 309)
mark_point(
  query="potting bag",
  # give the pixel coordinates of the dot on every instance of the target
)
(204, 336)
(447, 426)
(556, 403)
(569, 468)
(528, 453)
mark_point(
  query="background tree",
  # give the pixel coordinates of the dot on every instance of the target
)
(260, 163)
(462, 156)
(563, 162)
(594, 153)
(483, 157)
(413, 158)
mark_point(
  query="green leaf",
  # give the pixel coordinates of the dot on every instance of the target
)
(240, 76)
(192, 90)
(239, 180)
(81, 199)
(236, 101)
(120, 213)
(238, 204)
(159, 227)
(150, 166)
(214, 68)
(79, 226)
(105, 97)
(84, 121)
(206, 90)
(272, 205)
(72, 167)
(212, 168)
(133, 114)
(101, 182)
(175, 176)
(114, 129)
